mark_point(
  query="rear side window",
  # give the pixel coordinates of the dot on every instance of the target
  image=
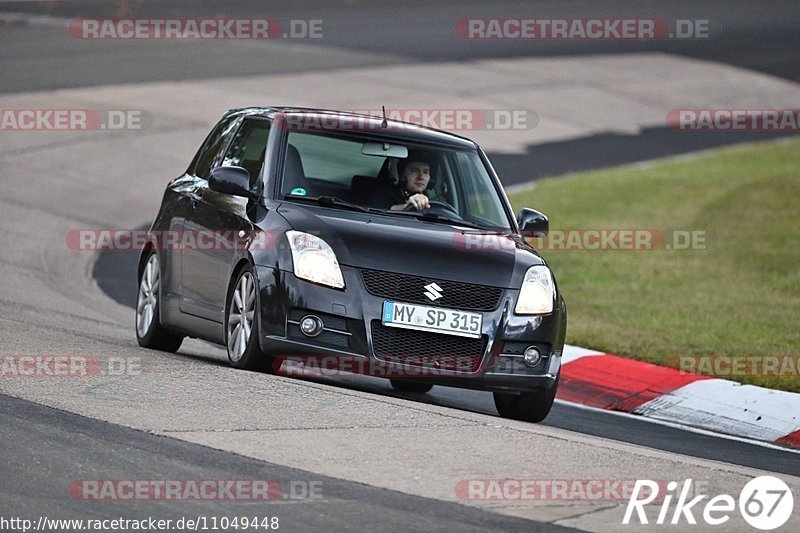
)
(214, 144)
(248, 146)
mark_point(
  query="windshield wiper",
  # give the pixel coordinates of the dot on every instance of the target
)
(431, 217)
(332, 201)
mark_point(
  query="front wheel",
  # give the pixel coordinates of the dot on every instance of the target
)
(149, 332)
(401, 385)
(526, 406)
(241, 324)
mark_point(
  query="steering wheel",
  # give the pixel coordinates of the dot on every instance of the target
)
(443, 208)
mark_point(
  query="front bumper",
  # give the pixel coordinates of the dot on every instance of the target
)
(352, 320)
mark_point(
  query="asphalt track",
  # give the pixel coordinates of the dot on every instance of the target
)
(388, 461)
(43, 445)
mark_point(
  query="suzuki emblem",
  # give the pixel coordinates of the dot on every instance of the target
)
(434, 292)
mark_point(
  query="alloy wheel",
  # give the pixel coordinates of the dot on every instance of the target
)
(148, 296)
(240, 316)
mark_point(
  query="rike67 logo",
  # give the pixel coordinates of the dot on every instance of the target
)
(766, 503)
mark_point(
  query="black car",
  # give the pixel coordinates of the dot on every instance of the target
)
(302, 233)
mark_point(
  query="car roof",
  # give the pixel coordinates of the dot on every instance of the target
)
(405, 131)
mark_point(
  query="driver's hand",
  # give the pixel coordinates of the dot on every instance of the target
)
(420, 201)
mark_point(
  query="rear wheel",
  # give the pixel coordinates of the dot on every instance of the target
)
(526, 406)
(149, 332)
(241, 324)
(410, 386)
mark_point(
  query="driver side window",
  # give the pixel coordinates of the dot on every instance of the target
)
(210, 152)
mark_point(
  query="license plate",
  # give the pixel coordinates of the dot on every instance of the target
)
(435, 319)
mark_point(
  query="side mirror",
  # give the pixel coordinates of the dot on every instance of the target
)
(231, 180)
(532, 223)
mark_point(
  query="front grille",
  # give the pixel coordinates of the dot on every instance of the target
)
(423, 349)
(411, 289)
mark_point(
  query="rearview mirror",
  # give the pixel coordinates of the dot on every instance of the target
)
(231, 180)
(533, 223)
(385, 149)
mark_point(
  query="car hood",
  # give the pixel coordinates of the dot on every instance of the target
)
(416, 247)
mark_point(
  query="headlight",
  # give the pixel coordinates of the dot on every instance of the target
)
(314, 260)
(537, 293)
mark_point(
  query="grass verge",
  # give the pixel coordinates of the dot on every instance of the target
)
(737, 296)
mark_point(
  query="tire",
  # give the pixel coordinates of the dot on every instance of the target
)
(401, 385)
(149, 332)
(242, 328)
(526, 406)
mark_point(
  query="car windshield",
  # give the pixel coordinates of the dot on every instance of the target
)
(339, 165)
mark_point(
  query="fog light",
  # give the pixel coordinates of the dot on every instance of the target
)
(532, 356)
(311, 326)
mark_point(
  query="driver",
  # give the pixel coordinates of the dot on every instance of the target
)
(415, 174)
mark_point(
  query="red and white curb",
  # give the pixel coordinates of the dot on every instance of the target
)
(611, 382)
